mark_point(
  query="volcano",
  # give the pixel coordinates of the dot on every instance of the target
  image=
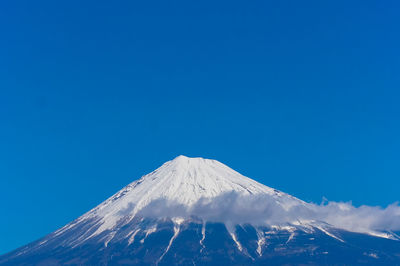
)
(195, 211)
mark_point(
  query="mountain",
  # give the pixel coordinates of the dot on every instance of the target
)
(195, 211)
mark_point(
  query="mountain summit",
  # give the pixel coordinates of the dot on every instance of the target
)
(183, 181)
(195, 211)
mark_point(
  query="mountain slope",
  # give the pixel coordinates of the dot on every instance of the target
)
(183, 181)
(199, 211)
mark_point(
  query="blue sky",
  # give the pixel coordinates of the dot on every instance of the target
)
(302, 97)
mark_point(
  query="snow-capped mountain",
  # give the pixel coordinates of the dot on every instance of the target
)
(185, 182)
(199, 211)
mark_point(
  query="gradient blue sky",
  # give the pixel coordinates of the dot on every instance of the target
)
(302, 96)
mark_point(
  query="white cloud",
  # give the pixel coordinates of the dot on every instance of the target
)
(264, 209)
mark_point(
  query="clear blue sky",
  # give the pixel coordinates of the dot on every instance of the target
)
(302, 96)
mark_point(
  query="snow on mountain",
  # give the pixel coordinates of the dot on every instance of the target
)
(183, 181)
(201, 188)
(194, 211)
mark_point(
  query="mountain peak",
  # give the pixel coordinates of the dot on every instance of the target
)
(187, 162)
(198, 177)
(184, 161)
(183, 157)
(182, 182)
